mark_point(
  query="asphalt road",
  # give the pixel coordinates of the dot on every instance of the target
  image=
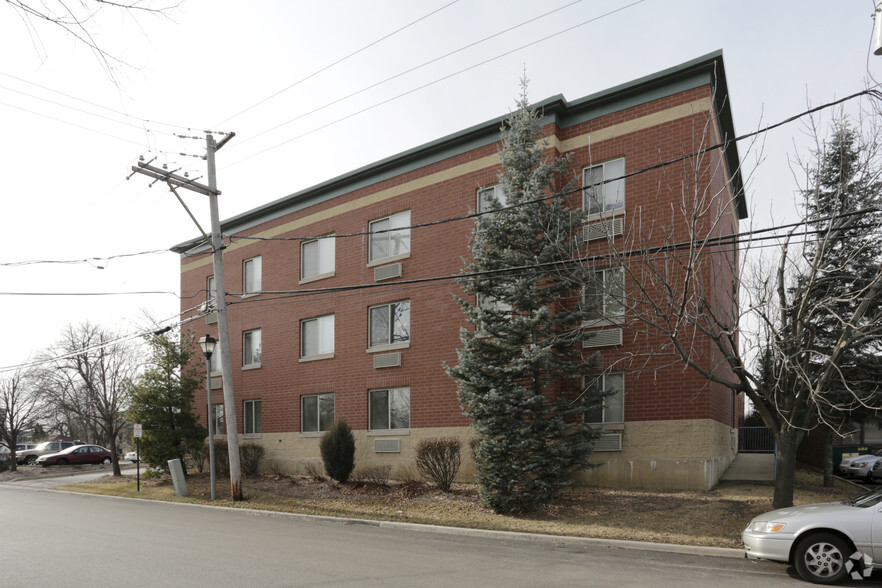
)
(61, 539)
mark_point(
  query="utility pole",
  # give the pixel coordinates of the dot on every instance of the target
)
(173, 180)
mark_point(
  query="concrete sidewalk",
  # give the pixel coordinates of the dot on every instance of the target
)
(751, 467)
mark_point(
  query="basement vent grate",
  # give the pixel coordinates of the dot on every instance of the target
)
(609, 442)
(387, 445)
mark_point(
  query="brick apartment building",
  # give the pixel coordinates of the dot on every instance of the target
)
(331, 318)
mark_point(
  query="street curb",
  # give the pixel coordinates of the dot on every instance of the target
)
(557, 540)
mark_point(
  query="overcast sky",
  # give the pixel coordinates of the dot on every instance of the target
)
(316, 89)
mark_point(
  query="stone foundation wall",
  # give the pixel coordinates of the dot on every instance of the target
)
(687, 454)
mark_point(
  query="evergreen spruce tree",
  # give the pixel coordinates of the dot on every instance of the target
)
(520, 370)
(162, 401)
(845, 203)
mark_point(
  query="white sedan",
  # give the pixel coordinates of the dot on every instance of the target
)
(825, 542)
(131, 456)
(860, 466)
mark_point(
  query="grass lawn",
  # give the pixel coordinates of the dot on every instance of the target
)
(713, 518)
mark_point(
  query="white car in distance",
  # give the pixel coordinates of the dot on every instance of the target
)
(860, 466)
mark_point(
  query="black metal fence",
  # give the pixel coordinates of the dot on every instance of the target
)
(755, 440)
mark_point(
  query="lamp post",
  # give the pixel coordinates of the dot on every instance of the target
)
(208, 343)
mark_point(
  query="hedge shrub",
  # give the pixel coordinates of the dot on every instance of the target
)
(438, 460)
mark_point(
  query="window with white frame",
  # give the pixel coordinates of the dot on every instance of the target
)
(253, 417)
(487, 302)
(317, 336)
(209, 293)
(604, 295)
(219, 419)
(612, 410)
(390, 324)
(603, 187)
(390, 236)
(316, 412)
(251, 347)
(389, 409)
(491, 198)
(317, 257)
(251, 276)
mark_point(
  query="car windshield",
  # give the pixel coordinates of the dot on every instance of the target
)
(871, 498)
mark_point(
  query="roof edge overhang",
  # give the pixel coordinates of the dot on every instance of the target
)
(707, 69)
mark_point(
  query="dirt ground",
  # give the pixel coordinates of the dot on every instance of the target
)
(712, 518)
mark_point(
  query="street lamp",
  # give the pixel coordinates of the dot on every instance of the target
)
(208, 343)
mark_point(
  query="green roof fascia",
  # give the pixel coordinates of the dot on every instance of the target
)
(701, 71)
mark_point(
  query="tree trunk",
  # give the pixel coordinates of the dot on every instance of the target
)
(114, 457)
(828, 458)
(785, 466)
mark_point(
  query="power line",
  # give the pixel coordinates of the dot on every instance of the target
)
(90, 129)
(432, 83)
(873, 93)
(120, 112)
(88, 260)
(405, 72)
(339, 61)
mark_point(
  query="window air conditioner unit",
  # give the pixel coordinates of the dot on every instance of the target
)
(603, 338)
(386, 360)
(603, 229)
(387, 272)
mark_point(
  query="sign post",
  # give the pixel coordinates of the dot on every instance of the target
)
(137, 434)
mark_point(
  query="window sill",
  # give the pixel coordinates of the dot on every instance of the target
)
(598, 216)
(251, 366)
(389, 433)
(604, 322)
(317, 277)
(609, 427)
(312, 434)
(252, 435)
(389, 259)
(318, 357)
(251, 294)
(392, 347)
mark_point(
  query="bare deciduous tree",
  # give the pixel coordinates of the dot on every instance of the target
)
(91, 375)
(78, 18)
(701, 294)
(20, 409)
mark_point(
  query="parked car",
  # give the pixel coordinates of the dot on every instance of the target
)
(29, 456)
(132, 456)
(76, 455)
(860, 466)
(24, 446)
(820, 539)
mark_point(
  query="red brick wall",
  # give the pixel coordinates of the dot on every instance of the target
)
(661, 391)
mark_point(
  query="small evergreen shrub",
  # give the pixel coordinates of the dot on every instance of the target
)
(338, 451)
(250, 456)
(438, 460)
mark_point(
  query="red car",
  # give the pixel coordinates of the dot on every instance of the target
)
(76, 455)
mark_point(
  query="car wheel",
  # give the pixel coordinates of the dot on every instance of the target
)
(106, 461)
(31, 459)
(821, 557)
(61, 461)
